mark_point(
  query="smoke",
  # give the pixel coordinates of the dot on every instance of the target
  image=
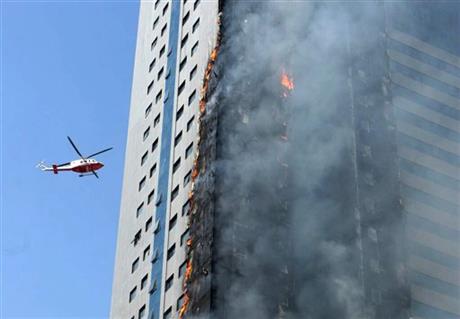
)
(282, 167)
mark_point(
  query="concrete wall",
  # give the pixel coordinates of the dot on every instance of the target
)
(142, 100)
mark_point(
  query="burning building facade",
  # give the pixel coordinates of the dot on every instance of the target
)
(296, 200)
(300, 180)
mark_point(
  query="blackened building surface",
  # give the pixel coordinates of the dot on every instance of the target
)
(298, 209)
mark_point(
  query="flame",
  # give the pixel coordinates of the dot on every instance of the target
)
(286, 81)
(184, 306)
(188, 270)
(198, 165)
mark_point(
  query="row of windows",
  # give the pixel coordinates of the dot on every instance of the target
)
(142, 313)
(176, 165)
(133, 292)
(173, 221)
(187, 178)
(138, 235)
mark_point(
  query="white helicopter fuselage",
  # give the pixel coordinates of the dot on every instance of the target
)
(78, 166)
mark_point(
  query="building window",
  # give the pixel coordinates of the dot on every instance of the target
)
(169, 283)
(191, 98)
(185, 18)
(195, 5)
(156, 121)
(168, 313)
(174, 193)
(178, 138)
(148, 224)
(163, 30)
(187, 178)
(196, 25)
(193, 72)
(148, 110)
(155, 23)
(189, 150)
(152, 64)
(158, 97)
(132, 294)
(184, 237)
(153, 169)
(150, 197)
(149, 88)
(194, 48)
(140, 209)
(160, 73)
(146, 133)
(165, 8)
(171, 251)
(135, 265)
(155, 145)
(144, 281)
(153, 44)
(186, 208)
(142, 312)
(181, 88)
(144, 158)
(137, 237)
(190, 123)
(176, 165)
(180, 302)
(184, 41)
(179, 113)
(172, 222)
(146, 253)
(182, 63)
(182, 268)
(163, 50)
(142, 183)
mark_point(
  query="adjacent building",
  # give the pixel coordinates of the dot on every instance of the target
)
(424, 56)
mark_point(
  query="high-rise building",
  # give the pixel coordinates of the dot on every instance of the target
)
(424, 54)
(175, 39)
(320, 180)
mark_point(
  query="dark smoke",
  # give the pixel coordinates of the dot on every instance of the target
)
(294, 217)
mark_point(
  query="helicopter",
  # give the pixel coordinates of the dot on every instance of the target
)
(85, 166)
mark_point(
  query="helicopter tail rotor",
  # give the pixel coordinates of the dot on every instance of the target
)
(43, 166)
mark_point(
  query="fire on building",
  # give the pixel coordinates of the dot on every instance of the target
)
(295, 206)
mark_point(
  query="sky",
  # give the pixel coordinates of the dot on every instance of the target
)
(66, 69)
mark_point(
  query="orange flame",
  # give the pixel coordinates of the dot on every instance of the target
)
(188, 270)
(286, 81)
(196, 170)
(184, 306)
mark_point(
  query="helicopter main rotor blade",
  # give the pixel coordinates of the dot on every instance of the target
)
(95, 174)
(63, 164)
(75, 148)
(107, 149)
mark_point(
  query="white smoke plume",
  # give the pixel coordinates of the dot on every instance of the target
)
(288, 228)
